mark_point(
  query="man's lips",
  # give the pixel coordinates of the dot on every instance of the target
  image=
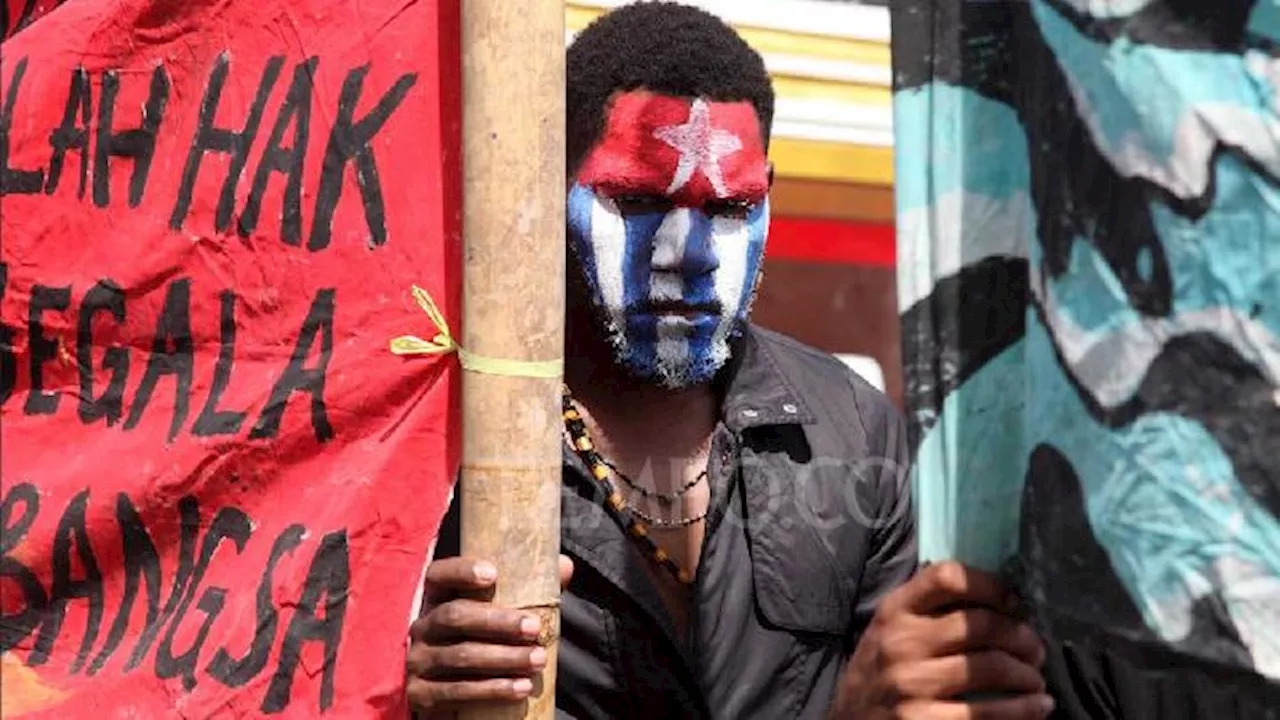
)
(672, 307)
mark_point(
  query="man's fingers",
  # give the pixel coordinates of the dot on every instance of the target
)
(455, 576)
(950, 583)
(472, 660)
(451, 577)
(566, 571)
(475, 660)
(432, 695)
(989, 671)
(1026, 707)
(475, 620)
(977, 629)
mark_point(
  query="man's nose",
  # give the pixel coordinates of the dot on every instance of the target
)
(682, 244)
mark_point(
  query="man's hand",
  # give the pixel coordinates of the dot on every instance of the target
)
(946, 635)
(466, 650)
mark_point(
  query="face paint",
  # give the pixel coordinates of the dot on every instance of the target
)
(674, 279)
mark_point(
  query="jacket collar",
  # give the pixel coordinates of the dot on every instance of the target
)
(755, 391)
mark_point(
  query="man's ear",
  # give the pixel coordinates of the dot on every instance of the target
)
(770, 174)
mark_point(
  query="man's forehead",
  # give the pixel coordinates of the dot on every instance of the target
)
(691, 148)
(645, 107)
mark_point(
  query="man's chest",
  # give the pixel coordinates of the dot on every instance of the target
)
(660, 493)
(771, 611)
(725, 658)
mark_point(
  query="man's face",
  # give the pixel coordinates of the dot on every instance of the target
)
(668, 217)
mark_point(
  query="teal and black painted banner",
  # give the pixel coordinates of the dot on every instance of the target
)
(1089, 284)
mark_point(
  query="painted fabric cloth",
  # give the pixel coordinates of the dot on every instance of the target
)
(1090, 293)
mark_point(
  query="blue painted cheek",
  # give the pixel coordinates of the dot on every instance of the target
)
(636, 253)
(702, 262)
(758, 224)
(633, 275)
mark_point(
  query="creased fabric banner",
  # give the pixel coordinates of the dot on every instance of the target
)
(219, 486)
(1089, 278)
(17, 15)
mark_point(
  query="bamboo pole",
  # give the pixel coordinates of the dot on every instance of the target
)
(513, 307)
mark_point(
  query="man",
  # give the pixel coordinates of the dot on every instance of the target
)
(736, 519)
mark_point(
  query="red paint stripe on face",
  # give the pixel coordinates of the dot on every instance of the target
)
(693, 152)
(831, 241)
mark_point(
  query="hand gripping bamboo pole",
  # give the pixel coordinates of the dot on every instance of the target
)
(513, 308)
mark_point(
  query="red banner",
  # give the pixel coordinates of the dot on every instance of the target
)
(16, 15)
(219, 486)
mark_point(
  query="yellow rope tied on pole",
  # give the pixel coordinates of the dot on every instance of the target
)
(444, 343)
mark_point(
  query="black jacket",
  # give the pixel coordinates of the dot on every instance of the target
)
(811, 524)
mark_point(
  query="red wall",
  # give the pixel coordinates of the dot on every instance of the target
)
(832, 284)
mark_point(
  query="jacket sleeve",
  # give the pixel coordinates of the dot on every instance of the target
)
(893, 557)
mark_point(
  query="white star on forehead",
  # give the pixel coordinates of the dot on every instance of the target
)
(701, 147)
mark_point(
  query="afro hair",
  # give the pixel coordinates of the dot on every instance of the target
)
(663, 47)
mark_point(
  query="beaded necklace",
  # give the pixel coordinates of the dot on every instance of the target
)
(664, 499)
(636, 528)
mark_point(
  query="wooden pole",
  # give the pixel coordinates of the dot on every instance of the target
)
(513, 308)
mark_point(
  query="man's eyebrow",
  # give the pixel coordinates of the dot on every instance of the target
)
(619, 187)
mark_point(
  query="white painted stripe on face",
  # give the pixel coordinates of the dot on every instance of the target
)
(670, 240)
(666, 287)
(609, 245)
(731, 242)
(666, 281)
(672, 352)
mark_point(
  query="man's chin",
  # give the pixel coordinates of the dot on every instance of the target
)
(683, 378)
(673, 378)
(667, 372)
(641, 361)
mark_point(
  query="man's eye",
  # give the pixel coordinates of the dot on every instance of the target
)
(729, 208)
(640, 204)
